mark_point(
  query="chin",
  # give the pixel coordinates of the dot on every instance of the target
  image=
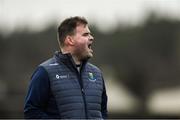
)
(87, 57)
(90, 55)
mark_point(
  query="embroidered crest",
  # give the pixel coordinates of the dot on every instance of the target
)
(91, 77)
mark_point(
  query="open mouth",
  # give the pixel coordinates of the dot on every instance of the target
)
(90, 46)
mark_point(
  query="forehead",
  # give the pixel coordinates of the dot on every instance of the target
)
(82, 28)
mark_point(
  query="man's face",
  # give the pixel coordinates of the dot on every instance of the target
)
(83, 41)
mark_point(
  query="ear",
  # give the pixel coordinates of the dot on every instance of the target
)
(69, 40)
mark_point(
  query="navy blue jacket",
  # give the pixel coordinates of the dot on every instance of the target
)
(40, 102)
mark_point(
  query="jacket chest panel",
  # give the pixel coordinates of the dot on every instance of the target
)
(92, 80)
(65, 82)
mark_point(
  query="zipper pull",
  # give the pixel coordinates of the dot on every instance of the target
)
(82, 90)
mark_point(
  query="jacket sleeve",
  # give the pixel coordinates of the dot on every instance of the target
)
(104, 102)
(37, 96)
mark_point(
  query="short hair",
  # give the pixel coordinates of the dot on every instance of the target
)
(68, 26)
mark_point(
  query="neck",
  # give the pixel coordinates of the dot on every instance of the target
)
(75, 58)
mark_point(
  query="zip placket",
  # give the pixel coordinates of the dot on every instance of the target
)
(80, 80)
(83, 94)
(79, 74)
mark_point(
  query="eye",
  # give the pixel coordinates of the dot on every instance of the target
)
(86, 34)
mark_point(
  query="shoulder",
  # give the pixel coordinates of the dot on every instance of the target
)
(93, 67)
(39, 77)
(49, 62)
(40, 72)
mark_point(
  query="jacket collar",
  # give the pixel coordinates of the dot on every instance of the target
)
(67, 59)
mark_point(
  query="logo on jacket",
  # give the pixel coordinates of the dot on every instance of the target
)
(61, 76)
(91, 77)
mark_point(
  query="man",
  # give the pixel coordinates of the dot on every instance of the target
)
(66, 86)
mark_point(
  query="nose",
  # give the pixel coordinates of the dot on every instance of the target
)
(91, 38)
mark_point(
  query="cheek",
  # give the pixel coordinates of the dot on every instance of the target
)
(80, 47)
(81, 44)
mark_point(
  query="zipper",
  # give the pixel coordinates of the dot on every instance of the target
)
(79, 76)
(84, 99)
(83, 94)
